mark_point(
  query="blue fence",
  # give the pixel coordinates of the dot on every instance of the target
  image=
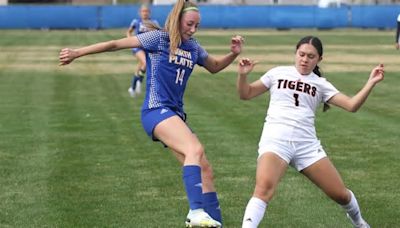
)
(212, 16)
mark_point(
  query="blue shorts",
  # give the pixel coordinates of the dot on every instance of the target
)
(136, 50)
(152, 117)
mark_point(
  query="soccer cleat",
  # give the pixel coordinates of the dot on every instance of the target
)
(361, 224)
(199, 218)
(131, 92)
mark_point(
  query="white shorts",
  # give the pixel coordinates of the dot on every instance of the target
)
(298, 154)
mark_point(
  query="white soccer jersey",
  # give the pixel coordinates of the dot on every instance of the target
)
(293, 102)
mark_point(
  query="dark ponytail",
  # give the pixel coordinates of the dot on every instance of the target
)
(317, 71)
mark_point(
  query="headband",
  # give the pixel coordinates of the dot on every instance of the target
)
(190, 8)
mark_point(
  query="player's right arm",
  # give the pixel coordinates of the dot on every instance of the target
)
(67, 55)
(248, 91)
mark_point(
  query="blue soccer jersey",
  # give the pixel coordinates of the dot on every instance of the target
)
(139, 26)
(167, 75)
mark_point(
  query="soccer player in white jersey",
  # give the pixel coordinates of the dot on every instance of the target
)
(289, 136)
(171, 55)
(138, 26)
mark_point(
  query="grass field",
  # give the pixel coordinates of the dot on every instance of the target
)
(73, 152)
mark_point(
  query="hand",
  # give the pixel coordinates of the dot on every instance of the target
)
(245, 66)
(66, 56)
(236, 44)
(377, 74)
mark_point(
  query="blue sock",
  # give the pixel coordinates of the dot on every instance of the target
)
(192, 182)
(211, 205)
(133, 82)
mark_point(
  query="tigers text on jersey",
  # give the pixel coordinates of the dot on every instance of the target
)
(167, 74)
(293, 102)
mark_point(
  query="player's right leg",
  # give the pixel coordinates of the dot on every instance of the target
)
(270, 170)
(174, 133)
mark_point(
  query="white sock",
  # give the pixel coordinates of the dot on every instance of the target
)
(352, 209)
(254, 213)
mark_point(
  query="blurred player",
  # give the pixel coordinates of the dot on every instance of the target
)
(398, 33)
(138, 26)
(173, 53)
(289, 136)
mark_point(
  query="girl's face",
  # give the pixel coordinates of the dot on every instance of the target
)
(307, 58)
(189, 23)
(144, 13)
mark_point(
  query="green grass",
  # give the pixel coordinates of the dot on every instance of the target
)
(73, 152)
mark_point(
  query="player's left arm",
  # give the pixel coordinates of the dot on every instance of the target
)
(352, 104)
(214, 65)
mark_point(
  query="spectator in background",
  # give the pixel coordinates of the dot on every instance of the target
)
(138, 26)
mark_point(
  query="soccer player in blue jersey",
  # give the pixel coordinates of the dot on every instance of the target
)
(171, 55)
(138, 26)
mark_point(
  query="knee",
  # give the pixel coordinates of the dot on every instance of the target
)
(196, 151)
(342, 197)
(265, 190)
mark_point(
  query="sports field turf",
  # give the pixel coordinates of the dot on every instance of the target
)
(73, 152)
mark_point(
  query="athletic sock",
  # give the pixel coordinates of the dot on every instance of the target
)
(254, 213)
(133, 82)
(211, 205)
(352, 209)
(193, 185)
(141, 73)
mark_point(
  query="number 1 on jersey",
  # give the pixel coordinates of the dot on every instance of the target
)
(179, 76)
(296, 99)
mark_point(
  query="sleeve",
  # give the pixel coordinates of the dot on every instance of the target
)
(156, 23)
(266, 79)
(328, 91)
(133, 23)
(150, 40)
(203, 54)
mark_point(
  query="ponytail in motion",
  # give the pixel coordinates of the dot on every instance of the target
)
(173, 22)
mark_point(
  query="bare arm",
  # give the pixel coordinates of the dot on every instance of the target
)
(248, 91)
(214, 65)
(352, 104)
(129, 32)
(67, 55)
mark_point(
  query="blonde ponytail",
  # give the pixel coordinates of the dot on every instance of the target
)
(173, 22)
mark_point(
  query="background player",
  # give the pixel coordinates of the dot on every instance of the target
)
(289, 136)
(398, 33)
(173, 53)
(140, 25)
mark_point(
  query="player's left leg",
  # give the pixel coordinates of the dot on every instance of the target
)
(210, 199)
(141, 70)
(323, 174)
